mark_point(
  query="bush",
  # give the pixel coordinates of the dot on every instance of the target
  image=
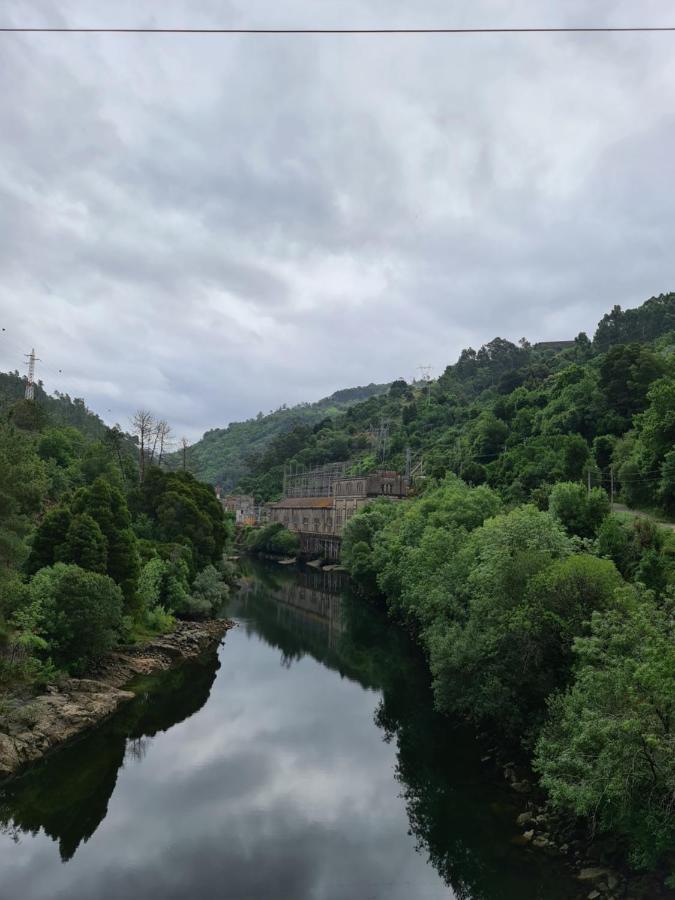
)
(80, 614)
(275, 539)
(580, 511)
(209, 592)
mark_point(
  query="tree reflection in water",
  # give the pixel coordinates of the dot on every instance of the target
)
(67, 795)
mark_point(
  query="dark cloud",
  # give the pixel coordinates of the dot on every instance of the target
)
(212, 226)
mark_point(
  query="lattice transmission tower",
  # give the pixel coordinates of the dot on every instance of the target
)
(30, 383)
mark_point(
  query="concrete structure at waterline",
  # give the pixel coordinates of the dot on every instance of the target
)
(318, 503)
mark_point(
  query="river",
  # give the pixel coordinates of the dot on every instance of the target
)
(305, 762)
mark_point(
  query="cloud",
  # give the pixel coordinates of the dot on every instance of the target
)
(210, 226)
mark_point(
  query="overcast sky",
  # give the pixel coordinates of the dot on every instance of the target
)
(209, 226)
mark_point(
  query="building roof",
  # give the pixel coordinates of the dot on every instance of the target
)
(303, 503)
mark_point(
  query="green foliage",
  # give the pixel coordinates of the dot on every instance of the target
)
(651, 320)
(579, 510)
(23, 483)
(209, 592)
(499, 665)
(638, 548)
(107, 506)
(78, 613)
(626, 373)
(608, 751)
(666, 491)
(358, 539)
(85, 544)
(184, 510)
(165, 583)
(151, 583)
(62, 445)
(274, 539)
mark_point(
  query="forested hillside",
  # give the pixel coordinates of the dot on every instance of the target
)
(58, 408)
(518, 418)
(224, 455)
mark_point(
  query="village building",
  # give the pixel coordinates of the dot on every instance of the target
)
(243, 506)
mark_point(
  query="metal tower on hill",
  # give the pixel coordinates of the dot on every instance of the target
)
(30, 383)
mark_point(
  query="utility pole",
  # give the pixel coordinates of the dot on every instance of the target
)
(589, 480)
(30, 383)
(611, 488)
(184, 445)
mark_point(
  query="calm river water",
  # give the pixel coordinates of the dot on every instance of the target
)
(304, 763)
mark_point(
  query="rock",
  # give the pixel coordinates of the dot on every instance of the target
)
(541, 842)
(592, 873)
(593, 895)
(528, 835)
(525, 818)
(9, 758)
(32, 729)
(521, 787)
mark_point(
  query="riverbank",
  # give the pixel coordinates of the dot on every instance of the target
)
(30, 727)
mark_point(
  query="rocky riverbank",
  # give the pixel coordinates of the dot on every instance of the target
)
(32, 727)
(600, 870)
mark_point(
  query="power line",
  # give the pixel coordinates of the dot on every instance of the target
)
(582, 29)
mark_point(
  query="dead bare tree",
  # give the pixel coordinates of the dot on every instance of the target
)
(184, 445)
(164, 437)
(143, 426)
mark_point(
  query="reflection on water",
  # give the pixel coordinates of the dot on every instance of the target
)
(307, 763)
(67, 796)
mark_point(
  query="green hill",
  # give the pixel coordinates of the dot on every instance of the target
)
(224, 455)
(517, 417)
(59, 409)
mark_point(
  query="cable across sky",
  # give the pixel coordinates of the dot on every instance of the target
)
(580, 29)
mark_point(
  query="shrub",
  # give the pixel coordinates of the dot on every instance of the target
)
(209, 592)
(80, 613)
(275, 539)
(580, 511)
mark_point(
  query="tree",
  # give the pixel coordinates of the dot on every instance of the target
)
(80, 613)
(626, 373)
(85, 545)
(580, 511)
(209, 592)
(608, 751)
(63, 445)
(23, 484)
(275, 539)
(143, 426)
(48, 539)
(107, 506)
(500, 665)
(164, 439)
(184, 445)
(667, 483)
(489, 660)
